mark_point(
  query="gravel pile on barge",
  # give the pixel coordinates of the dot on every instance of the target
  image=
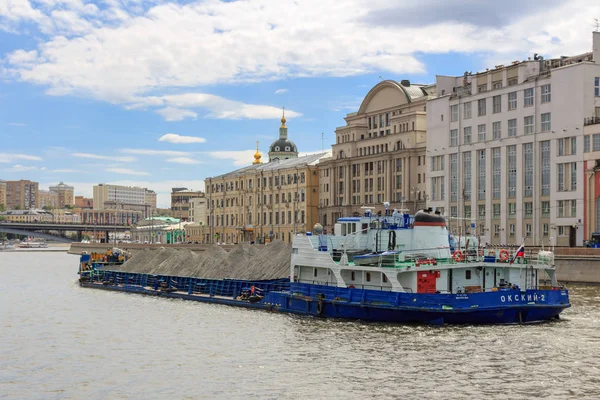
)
(244, 261)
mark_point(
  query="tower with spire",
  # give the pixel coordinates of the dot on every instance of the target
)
(282, 148)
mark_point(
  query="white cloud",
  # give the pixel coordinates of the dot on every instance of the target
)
(281, 91)
(151, 152)
(10, 157)
(126, 171)
(175, 114)
(16, 123)
(64, 171)
(183, 160)
(175, 138)
(101, 157)
(178, 107)
(240, 158)
(19, 168)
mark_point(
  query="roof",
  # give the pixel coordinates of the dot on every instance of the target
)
(312, 159)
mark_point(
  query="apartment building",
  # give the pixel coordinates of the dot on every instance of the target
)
(66, 194)
(22, 194)
(106, 196)
(505, 149)
(48, 199)
(180, 202)
(379, 155)
(3, 194)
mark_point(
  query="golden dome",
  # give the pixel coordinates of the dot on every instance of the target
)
(283, 118)
(257, 156)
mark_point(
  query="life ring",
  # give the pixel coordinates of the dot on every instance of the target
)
(320, 307)
(503, 255)
(458, 256)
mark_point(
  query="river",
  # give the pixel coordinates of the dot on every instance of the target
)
(60, 341)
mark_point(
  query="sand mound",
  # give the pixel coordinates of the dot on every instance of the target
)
(244, 261)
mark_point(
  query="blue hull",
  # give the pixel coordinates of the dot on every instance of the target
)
(500, 307)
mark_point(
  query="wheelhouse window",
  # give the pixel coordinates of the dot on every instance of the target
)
(468, 274)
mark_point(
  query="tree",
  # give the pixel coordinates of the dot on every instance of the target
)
(2, 207)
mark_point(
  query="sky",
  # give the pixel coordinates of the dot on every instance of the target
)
(164, 94)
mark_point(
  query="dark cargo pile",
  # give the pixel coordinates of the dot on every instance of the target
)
(244, 261)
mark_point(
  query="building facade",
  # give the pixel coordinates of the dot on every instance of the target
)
(505, 149)
(22, 195)
(198, 210)
(110, 217)
(58, 216)
(83, 202)
(180, 202)
(126, 195)
(3, 194)
(48, 199)
(591, 178)
(379, 155)
(66, 194)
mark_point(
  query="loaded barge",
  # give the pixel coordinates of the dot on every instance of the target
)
(393, 268)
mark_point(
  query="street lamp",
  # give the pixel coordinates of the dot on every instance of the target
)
(414, 191)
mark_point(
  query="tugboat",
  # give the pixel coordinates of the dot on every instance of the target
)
(393, 268)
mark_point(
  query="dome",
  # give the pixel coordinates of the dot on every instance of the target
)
(283, 146)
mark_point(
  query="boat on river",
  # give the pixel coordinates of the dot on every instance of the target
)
(33, 245)
(390, 268)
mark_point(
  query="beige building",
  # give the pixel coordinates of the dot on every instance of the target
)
(3, 194)
(180, 202)
(119, 197)
(22, 195)
(52, 216)
(379, 155)
(66, 194)
(264, 202)
(195, 232)
(48, 199)
(198, 210)
(84, 202)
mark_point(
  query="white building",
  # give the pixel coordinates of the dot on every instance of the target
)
(198, 210)
(126, 195)
(505, 148)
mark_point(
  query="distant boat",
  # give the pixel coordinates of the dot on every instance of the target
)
(7, 247)
(33, 245)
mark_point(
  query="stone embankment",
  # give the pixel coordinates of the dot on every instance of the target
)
(243, 261)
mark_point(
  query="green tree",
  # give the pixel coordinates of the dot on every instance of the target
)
(2, 207)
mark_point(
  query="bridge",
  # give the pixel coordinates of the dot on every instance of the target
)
(42, 229)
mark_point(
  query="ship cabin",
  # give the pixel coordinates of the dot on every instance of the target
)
(414, 257)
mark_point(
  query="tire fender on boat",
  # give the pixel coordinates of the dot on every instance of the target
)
(320, 307)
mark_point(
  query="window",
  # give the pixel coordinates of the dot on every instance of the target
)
(527, 230)
(467, 176)
(512, 171)
(511, 230)
(497, 85)
(467, 211)
(497, 130)
(481, 107)
(482, 88)
(496, 104)
(512, 127)
(546, 95)
(454, 138)
(512, 101)
(454, 113)
(467, 110)
(497, 172)
(528, 123)
(528, 150)
(561, 177)
(528, 209)
(596, 142)
(481, 132)
(586, 144)
(468, 274)
(467, 135)
(528, 97)
(453, 177)
(512, 210)
(573, 146)
(560, 208)
(496, 211)
(573, 208)
(546, 122)
(496, 230)
(597, 86)
(481, 175)
(481, 211)
(545, 151)
(453, 211)
(513, 81)
(545, 229)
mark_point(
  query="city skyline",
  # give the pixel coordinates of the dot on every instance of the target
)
(175, 113)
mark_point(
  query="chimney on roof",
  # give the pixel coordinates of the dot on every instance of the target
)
(405, 82)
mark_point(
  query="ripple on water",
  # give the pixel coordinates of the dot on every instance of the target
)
(61, 341)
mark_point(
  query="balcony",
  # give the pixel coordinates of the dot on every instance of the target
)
(591, 121)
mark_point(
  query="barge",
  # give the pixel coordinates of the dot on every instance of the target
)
(392, 268)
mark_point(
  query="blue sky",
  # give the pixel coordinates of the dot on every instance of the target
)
(88, 89)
